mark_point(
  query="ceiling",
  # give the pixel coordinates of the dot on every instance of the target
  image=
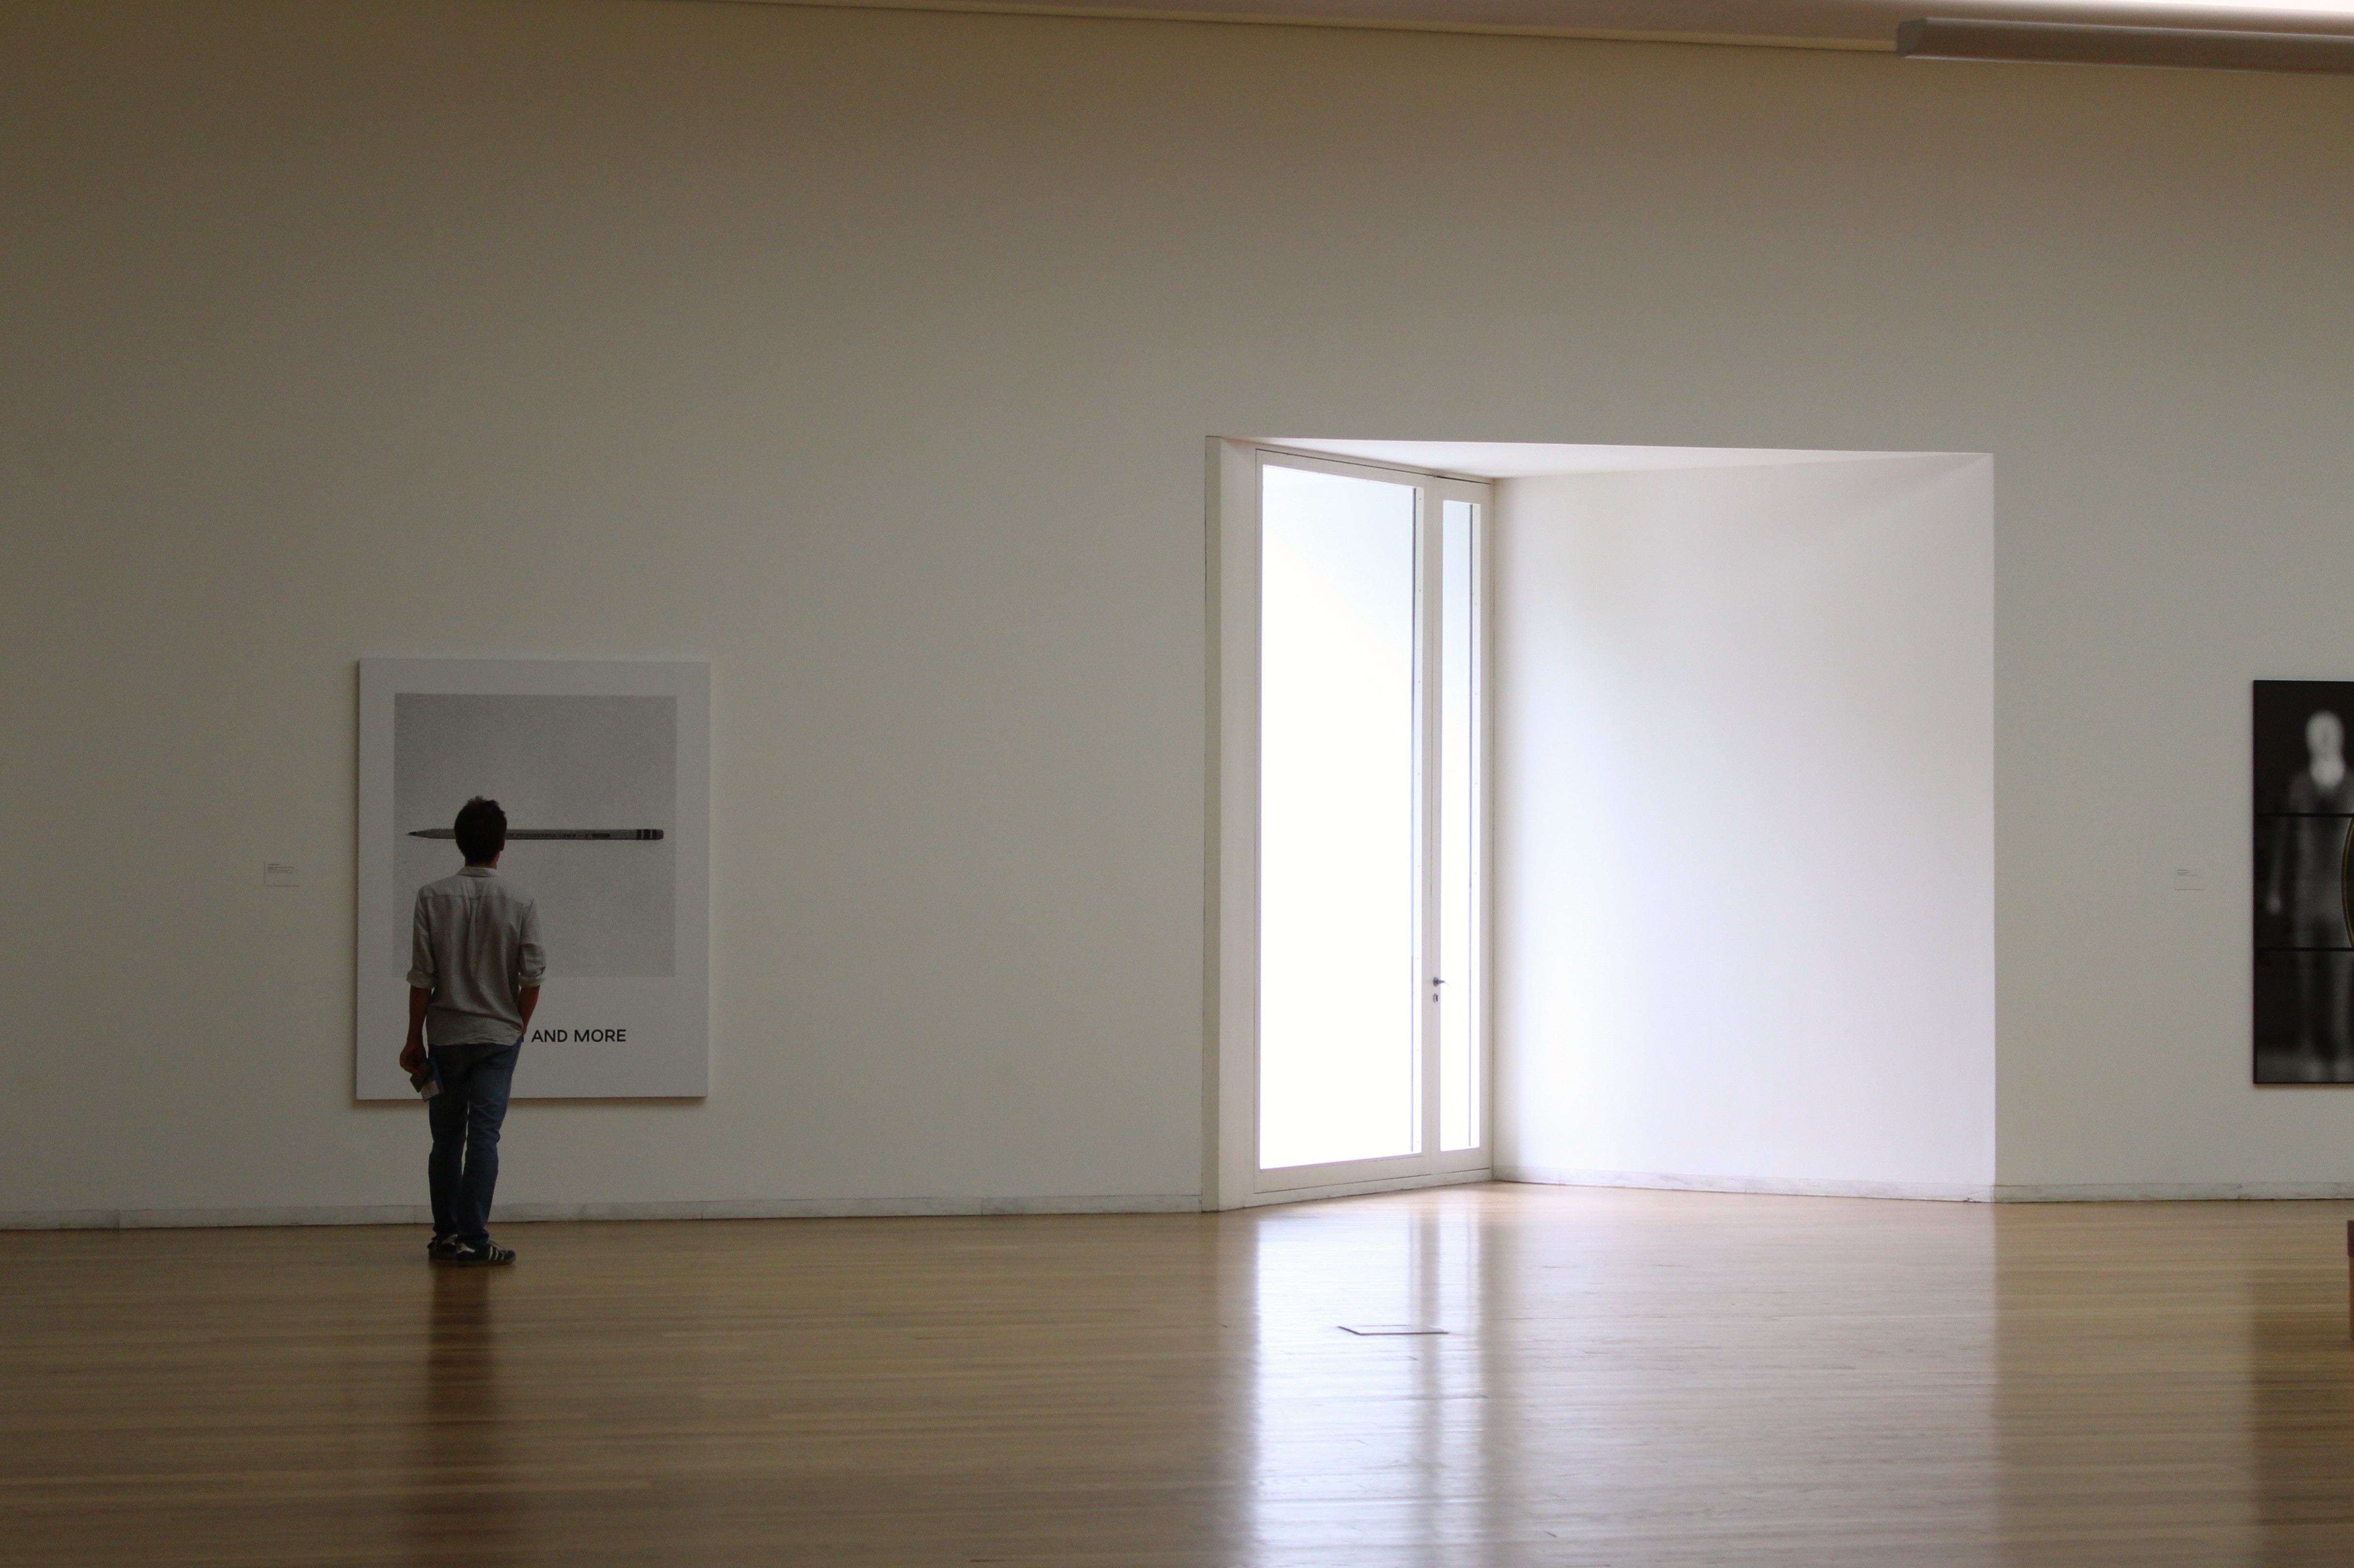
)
(1802, 24)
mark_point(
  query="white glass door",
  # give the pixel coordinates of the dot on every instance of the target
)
(1339, 757)
(1370, 1057)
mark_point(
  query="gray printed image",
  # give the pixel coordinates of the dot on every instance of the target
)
(579, 765)
(2304, 968)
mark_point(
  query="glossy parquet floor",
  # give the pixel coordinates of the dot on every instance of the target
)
(1626, 1379)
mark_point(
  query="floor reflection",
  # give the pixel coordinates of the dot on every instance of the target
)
(2174, 1385)
(1371, 1438)
(1625, 1378)
(464, 1504)
(2118, 1448)
(2301, 1406)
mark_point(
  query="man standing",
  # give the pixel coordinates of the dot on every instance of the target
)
(475, 964)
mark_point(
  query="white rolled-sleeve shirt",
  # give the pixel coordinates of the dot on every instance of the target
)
(475, 945)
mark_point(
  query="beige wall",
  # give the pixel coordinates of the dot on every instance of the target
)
(870, 356)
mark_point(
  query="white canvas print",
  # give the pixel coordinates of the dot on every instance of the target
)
(602, 769)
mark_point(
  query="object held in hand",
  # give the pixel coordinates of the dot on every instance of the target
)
(425, 1080)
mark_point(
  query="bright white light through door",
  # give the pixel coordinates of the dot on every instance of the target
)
(1455, 869)
(1341, 986)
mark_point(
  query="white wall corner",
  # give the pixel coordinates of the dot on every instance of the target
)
(1745, 827)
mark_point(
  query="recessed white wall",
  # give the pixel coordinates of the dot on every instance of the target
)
(1743, 837)
(869, 357)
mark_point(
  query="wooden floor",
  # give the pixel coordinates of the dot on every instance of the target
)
(1626, 1379)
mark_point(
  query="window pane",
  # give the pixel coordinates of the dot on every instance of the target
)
(1458, 845)
(1338, 984)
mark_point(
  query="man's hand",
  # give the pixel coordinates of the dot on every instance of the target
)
(412, 1055)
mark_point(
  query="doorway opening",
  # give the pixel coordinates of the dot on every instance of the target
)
(1356, 928)
(1370, 1044)
(1604, 815)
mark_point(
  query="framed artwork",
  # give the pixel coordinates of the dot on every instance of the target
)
(603, 769)
(2304, 931)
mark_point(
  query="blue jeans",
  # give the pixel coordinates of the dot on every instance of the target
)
(466, 1116)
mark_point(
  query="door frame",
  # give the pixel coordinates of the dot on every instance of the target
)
(1230, 1174)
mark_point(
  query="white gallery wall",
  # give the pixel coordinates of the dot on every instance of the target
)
(869, 357)
(1744, 831)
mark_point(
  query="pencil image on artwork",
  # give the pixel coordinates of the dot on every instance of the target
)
(605, 911)
(543, 834)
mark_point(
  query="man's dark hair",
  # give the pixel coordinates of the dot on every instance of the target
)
(481, 829)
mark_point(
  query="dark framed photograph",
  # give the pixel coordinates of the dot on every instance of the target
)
(2304, 938)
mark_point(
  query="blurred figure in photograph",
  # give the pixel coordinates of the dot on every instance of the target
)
(2308, 848)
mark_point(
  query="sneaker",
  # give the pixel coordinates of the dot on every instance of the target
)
(488, 1256)
(441, 1249)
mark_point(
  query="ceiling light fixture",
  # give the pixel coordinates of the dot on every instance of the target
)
(2071, 43)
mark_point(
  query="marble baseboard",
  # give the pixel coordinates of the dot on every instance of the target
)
(1363, 1189)
(536, 1213)
(1947, 1192)
(2177, 1193)
(1178, 1202)
(1774, 1186)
